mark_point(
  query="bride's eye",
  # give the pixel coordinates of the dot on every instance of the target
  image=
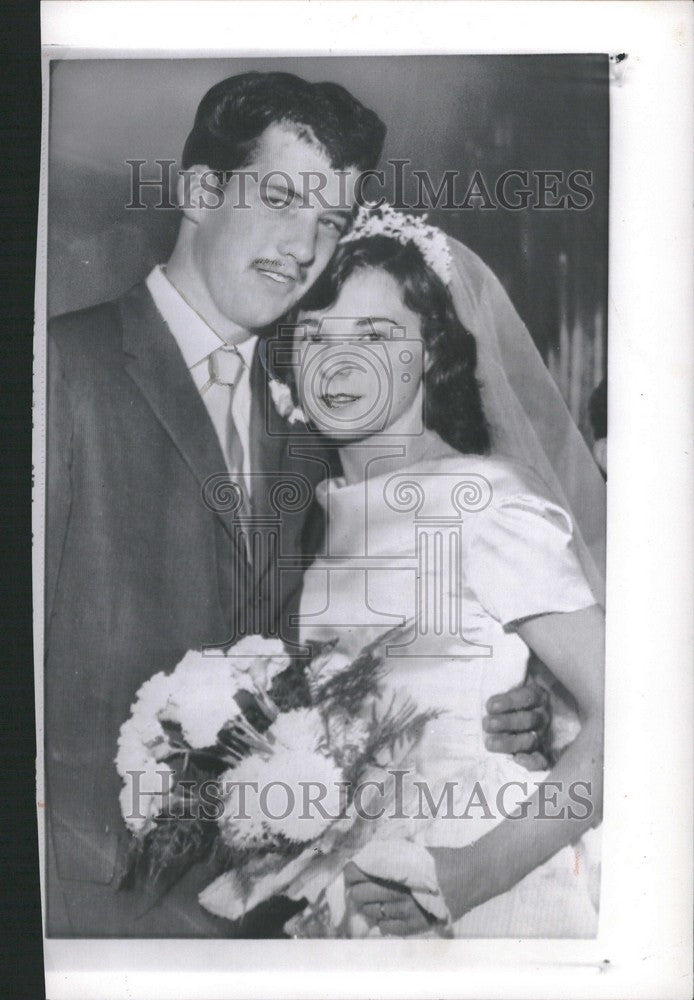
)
(312, 334)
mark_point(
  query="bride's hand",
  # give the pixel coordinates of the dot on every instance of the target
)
(387, 905)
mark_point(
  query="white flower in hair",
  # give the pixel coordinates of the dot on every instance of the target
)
(284, 404)
(384, 220)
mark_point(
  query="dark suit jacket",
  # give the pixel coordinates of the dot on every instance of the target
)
(139, 569)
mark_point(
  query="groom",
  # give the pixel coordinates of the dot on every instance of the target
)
(150, 398)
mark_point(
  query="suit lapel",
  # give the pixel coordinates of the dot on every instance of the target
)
(268, 445)
(154, 362)
(274, 509)
(268, 442)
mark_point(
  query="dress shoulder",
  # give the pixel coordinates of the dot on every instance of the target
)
(502, 477)
(519, 555)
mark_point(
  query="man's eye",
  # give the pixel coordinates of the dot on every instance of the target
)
(279, 199)
(372, 335)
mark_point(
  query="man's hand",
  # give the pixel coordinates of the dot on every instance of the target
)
(384, 904)
(518, 723)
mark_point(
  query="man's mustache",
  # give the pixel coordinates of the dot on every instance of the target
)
(268, 262)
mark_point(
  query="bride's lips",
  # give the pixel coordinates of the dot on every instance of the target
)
(333, 400)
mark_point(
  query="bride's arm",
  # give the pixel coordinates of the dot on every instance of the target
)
(572, 646)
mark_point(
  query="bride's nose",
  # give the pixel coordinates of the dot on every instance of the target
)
(340, 370)
(345, 369)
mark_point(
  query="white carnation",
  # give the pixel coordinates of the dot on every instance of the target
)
(300, 729)
(196, 668)
(148, 728)
(153, 695)
(205, 709)
(132, 754)
(286, 783)
(143, 795)
(260, 659)
(136, 824)
(241, 824)
(313, 782)
(201, 697)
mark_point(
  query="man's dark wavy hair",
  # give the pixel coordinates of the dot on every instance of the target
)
(452, 398)
(235, 112)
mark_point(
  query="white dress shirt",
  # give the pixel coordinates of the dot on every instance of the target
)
(196, 341)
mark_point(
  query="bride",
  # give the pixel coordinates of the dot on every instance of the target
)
(453, 513)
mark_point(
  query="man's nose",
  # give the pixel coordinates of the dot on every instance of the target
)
(299, 239)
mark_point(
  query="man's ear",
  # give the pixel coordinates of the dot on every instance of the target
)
(198, 189)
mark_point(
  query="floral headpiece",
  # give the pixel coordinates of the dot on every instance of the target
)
(384, 220)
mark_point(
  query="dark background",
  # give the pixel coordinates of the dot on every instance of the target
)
(21, 971)
(465, 113)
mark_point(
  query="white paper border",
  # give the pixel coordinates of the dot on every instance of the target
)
(645, 926)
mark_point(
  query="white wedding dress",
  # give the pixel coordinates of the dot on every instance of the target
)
(469, 545)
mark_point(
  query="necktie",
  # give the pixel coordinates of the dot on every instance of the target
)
(225, 369)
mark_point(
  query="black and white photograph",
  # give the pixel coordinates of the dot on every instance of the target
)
(324, 479)
(297, 420)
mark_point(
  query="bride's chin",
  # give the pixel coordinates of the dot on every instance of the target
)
(336, 436)
(343, 439)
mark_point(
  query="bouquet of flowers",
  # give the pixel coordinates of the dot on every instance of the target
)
(253, 718)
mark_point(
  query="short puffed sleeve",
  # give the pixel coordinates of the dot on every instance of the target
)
(520, 560)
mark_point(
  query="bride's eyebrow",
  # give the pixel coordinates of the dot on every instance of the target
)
(368, 320)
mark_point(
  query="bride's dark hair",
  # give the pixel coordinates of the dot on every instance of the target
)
(453, 403)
